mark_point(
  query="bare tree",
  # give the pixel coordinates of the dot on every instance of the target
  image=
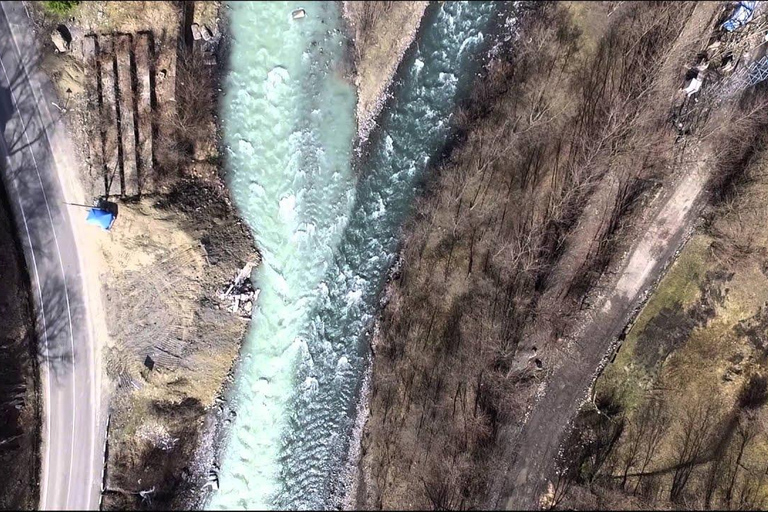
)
(698, 418)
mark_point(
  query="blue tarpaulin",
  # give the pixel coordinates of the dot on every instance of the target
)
(740, 16)
(101, 218)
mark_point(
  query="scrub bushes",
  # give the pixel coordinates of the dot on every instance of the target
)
(61, 7)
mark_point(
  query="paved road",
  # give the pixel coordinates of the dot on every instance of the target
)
(36, 169)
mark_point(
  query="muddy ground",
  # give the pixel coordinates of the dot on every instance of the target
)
(20, 419)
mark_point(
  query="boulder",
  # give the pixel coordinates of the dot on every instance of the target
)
(61, 44)
(207, 36)
(196, 34)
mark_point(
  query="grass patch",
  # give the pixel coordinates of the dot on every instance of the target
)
(61, 7)
(628, 377)
(681, 285)
(695, 320)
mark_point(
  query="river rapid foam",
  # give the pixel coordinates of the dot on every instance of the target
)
(327, 236)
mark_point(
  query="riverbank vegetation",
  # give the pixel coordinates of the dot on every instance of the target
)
(61, 7)
(560, 150)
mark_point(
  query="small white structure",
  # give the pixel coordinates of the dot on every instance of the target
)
(694, 85)
(196, 34)
(298, 14)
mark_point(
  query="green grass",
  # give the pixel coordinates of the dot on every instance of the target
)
(626, 376)
(61, 7)
(681, 285)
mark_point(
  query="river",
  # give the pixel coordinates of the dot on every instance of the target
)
(328, 235)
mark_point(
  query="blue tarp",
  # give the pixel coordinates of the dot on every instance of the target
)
(101, 218)
(740, 16)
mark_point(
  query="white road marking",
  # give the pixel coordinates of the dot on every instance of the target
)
(86, 304)
(61, 266)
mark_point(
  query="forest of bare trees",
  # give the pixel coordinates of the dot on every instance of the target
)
(192, 123)
(558, 124)
(617, 460)
(20, 417)
(702, 449)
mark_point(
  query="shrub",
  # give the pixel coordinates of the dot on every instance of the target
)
(61, 7)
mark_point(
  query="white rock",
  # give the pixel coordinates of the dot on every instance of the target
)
(58, 40)
(196, 34)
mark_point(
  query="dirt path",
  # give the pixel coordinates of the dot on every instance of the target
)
(534, 456)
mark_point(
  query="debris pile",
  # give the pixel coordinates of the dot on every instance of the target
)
(212, 481)
(241, 293)
(205, 41)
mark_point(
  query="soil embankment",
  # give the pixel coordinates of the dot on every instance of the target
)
(381, 32)
(142, 109)
(20, 420)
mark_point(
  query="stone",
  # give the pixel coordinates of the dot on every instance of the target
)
(196, 34)
(59, 42)
(207, 36)
(209, 59)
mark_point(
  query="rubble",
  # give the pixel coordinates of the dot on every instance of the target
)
(196, 34)
(694, 85)
(212, 481)
(241, 293)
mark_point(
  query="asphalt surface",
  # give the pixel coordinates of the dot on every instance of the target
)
(34, 167)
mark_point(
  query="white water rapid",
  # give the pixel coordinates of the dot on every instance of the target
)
(327, 237)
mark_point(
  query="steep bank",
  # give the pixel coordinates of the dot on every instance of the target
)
(381, 33)
(171, 252)
(20, 419)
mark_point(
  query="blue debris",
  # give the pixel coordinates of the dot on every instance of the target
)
(741, 15)
(99, 217)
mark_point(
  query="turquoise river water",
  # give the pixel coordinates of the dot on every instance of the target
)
(328, 235)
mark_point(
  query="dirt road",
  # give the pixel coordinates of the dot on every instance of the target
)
(534, 462)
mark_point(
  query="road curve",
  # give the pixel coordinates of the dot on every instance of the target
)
(37, 169)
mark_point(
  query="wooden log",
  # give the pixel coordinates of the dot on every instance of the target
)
(97, 178)
(109, 112)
